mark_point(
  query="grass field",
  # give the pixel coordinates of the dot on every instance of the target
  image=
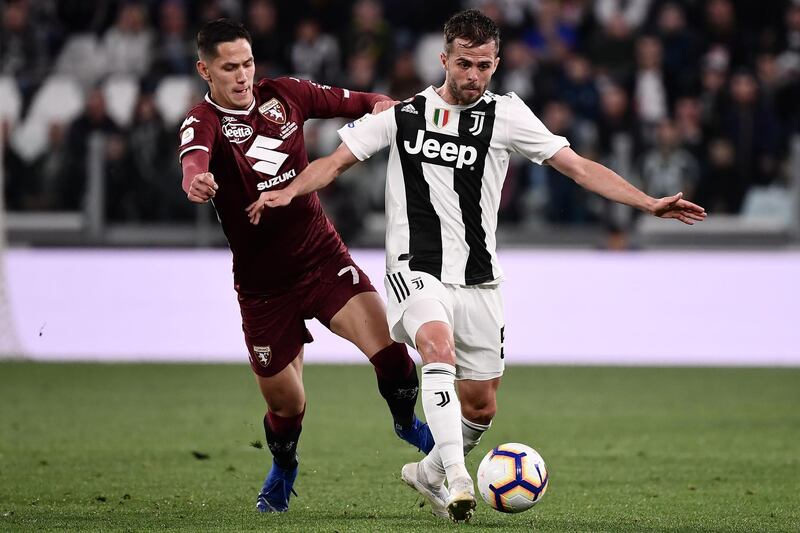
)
(114, 447)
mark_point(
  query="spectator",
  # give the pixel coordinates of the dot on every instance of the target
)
(174, 50)
(632, 13)
(370, 34)
(680, 47)
(48, 181)
(567, 202)
(552, 37)
(519, 70)
(722, 29)
(720, 189)
(361, 72)
(315, 55)
(689, 125)
(651, 95)
(128, 44)
(667, 166)
(146, 192)
(23, 52)
(93, 120)
(268, 39)
(579, 90)
(751, 127)
(610, 48)
(714, 78)
(404, 80)
(618, 144)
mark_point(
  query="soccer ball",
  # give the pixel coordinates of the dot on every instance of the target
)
(512, 478)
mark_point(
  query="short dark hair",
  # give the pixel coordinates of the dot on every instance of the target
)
(219, 31)
(472, 26)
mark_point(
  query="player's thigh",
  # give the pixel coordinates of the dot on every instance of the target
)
(362, 321)
(479, 332)
(284, 392)
(344, 300)
(415, 299)
(274, 331)
(478, 399)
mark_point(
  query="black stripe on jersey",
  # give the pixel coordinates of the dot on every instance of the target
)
(477, 124)
(403, 283)
(424, 227)
(394, 289)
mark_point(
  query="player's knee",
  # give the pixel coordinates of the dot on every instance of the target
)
(287, 407)
(480, 412)
(436, 350)
(435, 344)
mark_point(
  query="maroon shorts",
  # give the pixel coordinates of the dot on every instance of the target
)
(274, 327)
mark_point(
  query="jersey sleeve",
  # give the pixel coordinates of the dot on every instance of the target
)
(528, 136)
(324, 101)
(369, 134)
(198, 132)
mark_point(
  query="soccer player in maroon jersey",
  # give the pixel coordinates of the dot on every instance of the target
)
(241, 140)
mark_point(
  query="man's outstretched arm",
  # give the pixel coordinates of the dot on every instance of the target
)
(315, 176)
(608, 184)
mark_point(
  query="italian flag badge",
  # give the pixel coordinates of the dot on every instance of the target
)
(440, 117)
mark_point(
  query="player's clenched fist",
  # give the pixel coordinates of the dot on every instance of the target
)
(202, 188)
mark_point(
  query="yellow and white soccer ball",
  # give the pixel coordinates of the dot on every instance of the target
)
(512, 478)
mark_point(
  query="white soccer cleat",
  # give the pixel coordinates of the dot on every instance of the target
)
(414, 476)
(461, 504)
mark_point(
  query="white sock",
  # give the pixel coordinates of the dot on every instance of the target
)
(471, 433)
(442, 412)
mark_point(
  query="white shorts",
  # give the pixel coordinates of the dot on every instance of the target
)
(474, 313)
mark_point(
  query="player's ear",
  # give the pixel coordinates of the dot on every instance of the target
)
(443, 58)
(202, 69)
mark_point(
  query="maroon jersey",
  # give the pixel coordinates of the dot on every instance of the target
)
(263, 148)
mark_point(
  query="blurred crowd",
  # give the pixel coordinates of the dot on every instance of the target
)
(694, 95)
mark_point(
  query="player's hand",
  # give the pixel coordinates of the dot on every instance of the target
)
(279, 198)
(383, 105)
(676, 207)
(202, 188)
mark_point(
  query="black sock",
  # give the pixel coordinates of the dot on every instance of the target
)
(401, 396)
(282, 435)
(397, 382)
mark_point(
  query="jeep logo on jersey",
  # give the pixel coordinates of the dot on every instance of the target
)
(435, 149)
(236, 132)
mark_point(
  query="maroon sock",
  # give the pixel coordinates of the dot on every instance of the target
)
(393, 362)
(282, 435)
(397, 382)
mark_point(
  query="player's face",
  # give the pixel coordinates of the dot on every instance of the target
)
(230, 74)
(468, 70)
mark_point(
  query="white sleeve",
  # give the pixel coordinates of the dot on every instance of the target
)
(369, 134)
(528, 136)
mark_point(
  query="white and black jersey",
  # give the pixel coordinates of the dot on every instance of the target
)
(446, 170)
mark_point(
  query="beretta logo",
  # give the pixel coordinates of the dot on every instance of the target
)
(236, 132)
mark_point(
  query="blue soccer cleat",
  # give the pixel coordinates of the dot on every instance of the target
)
(419, 435)
(274, 495)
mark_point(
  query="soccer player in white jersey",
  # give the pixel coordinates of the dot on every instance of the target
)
(448, 158)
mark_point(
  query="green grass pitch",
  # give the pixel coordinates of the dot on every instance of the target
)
(115, 447)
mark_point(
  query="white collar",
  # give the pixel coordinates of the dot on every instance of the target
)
(232, 111)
